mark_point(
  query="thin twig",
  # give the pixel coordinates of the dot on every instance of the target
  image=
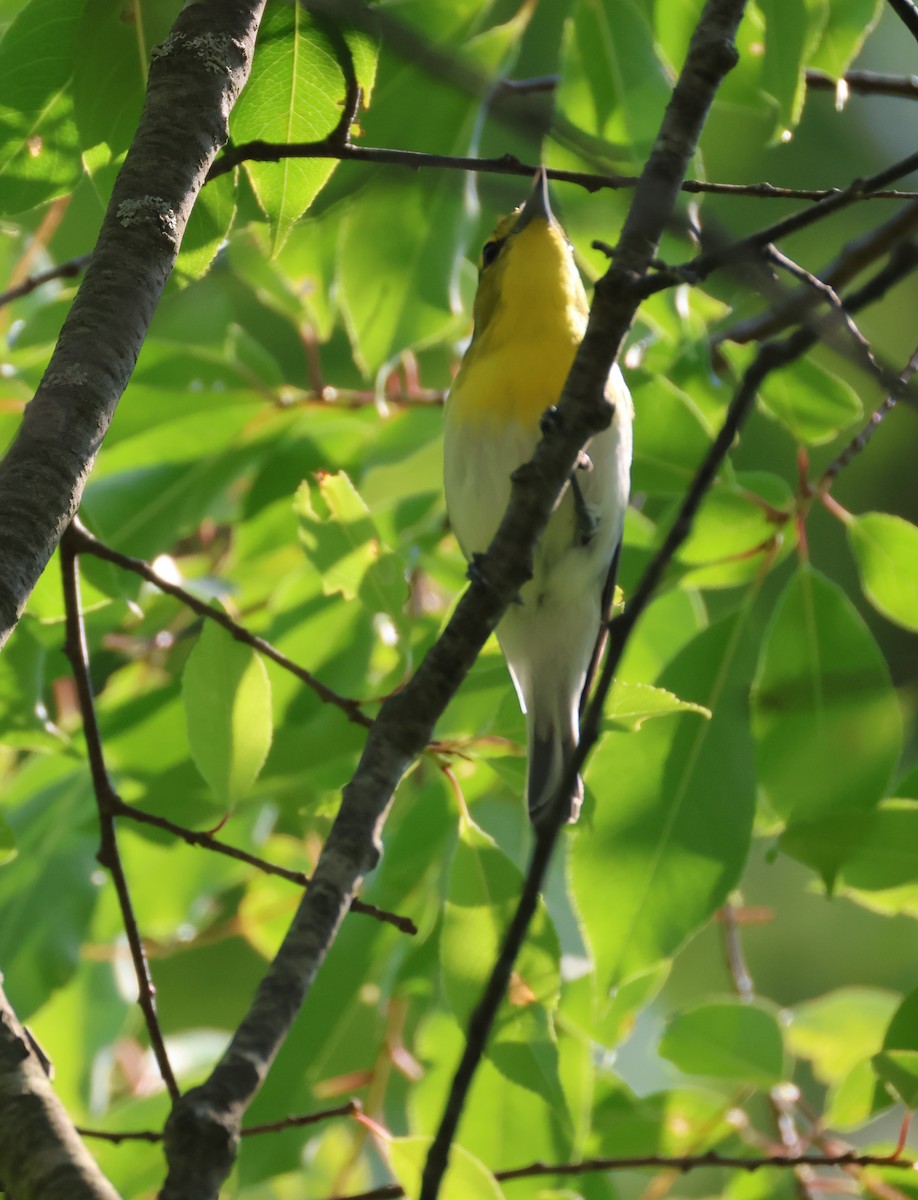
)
(701, 267)
(85, 543)
(865, 83)
(509, 164)
(116, 1137)
(208, 841)
(681, 1163)
(67, 270)
(733, 953)
(859, 443)
(854, 258)
(106, 801)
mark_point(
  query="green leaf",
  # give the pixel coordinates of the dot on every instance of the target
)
(853, 1100)
(898, 1069)
(839, 1030)
(728, 1039)
(466, 1177)
(849, 24)
(631, 704)
(8, 849)
(897, 1062)
(344, 545)
(39, 156)
(886, 854)
(294, 94)
(786, 42)
(825, 717)
(613, 85)
(733, 521)
(501, 1120)
(207, 229)
(111, 58)
(670, 437)
(227, 699)
(364, 51)
(886, 550)
(814, 405)
(396, 261)
(484, 887)
(50, 810)
(673, 814)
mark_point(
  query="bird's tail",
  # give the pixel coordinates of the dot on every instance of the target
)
(551, 750)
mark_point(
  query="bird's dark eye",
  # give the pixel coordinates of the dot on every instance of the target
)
(489, 252)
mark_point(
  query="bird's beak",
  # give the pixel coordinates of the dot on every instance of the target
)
(537, 205)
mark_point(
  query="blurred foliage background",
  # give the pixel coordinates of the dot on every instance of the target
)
(277, 454)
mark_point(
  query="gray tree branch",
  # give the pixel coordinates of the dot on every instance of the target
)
(195, 77)
(41, 1154)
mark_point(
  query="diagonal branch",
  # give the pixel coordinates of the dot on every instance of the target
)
(41, 1155)
(195, 77)
(711, 55)
(907, 12)
(85, 543)
(683, 1163)
(207, 841)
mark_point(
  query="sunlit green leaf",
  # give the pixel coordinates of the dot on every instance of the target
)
(814, 404)
(227, 700)
(631, 704)
(111, 59)
(849, 24)
(886, 549)
(673, 813)
(728, 1039)
(839, 1030)
(207, 228)
(294, 95)
(466, 1177)
(483, 889)
(39, 156)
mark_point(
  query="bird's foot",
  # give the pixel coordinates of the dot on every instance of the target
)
(551, 421)
(475, 572)
(585, 521)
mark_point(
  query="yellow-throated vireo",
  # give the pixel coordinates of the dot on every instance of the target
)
(530, 316)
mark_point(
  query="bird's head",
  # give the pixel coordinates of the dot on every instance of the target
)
(527, 271)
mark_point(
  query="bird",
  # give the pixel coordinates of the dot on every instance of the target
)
(530, 315)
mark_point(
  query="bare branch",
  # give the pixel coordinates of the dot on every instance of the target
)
(208, 841)
(865, 83)
(701, 267)
(681, 1163)
(85, 543)
(67, 270)
(153, 1136)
